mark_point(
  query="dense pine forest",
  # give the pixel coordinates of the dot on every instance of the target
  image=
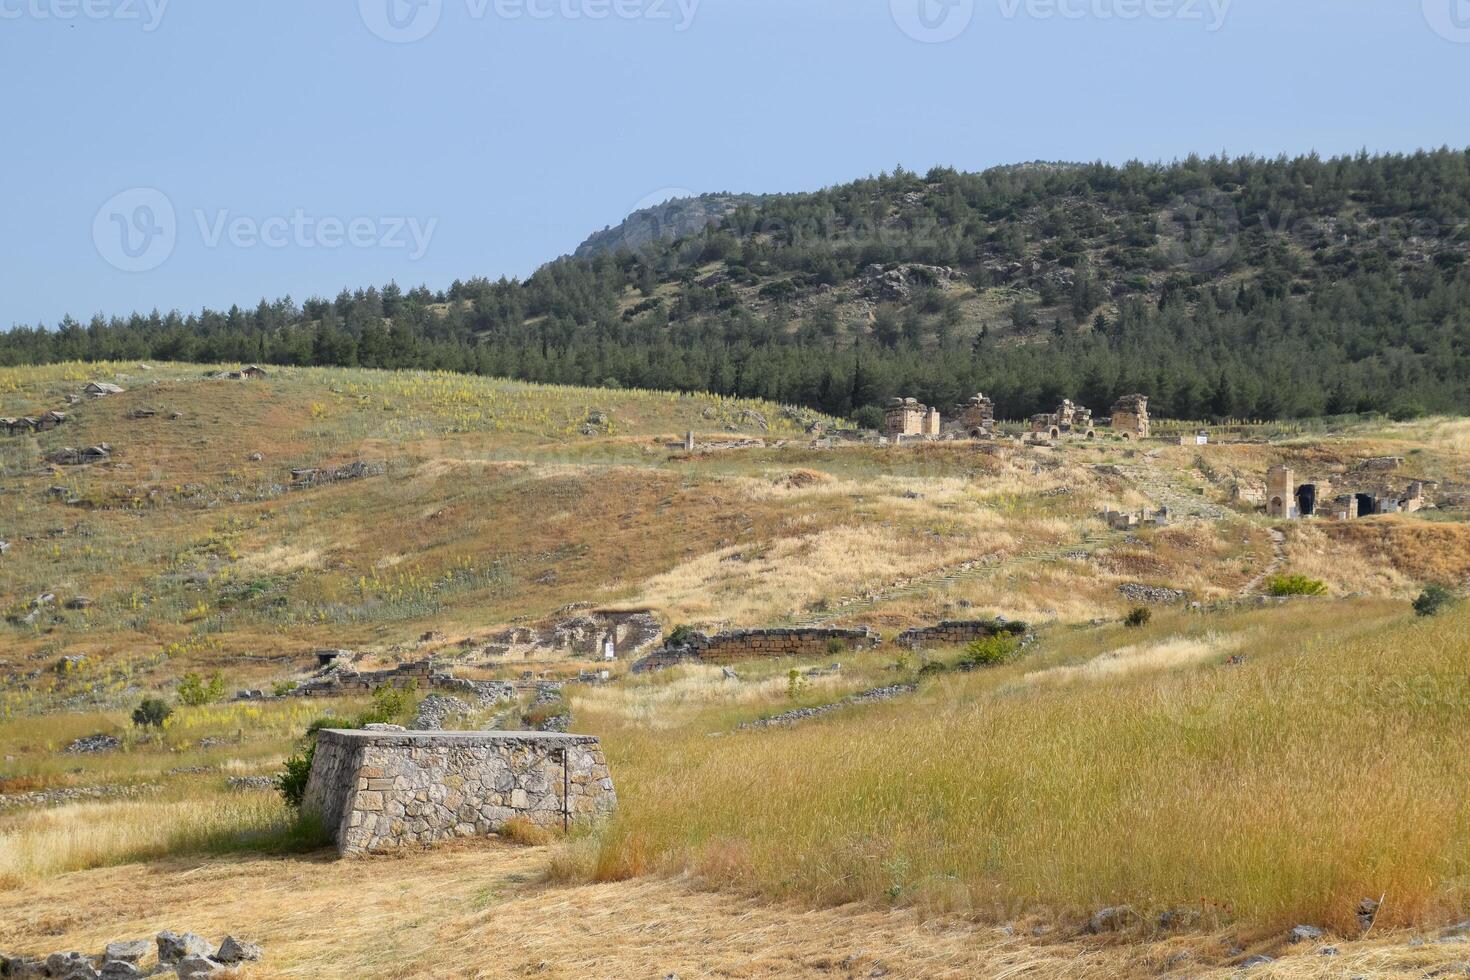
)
(1224, 288)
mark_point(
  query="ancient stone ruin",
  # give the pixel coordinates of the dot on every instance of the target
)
(955, 633)
(1130, 417)
(336, 679)
(1132, 520)
(907, 417)
(378, 790)
(1366, 495)
(978, 417)
(602, 634)
(1069, 419)
(739, 645)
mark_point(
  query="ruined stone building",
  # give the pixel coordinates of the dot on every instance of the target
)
(1281, 493)
(1288, 500)
(1069, 419)
(979, 417)
(907, 417)
(1130, 417)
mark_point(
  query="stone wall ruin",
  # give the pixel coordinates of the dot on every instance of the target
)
(732, 647)
(383, 790)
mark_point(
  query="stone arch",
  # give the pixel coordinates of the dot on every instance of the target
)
(1055, 432)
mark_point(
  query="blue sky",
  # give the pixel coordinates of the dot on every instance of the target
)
(304, 147)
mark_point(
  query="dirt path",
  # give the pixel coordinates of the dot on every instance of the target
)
(480, 910)
(1277, 562)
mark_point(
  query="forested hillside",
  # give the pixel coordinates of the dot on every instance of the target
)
(1222, 287)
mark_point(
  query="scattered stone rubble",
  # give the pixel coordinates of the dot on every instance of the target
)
(94, 744)
(305, 479)
(436, 709)
(803, 714)
(186, 956)
(337, 681)
(1151, 594)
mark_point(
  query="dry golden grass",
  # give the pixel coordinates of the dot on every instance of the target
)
(45, 843)
(480, 911)
(1246, 787)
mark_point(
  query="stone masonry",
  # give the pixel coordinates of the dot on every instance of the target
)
(726, 648)
(956, 633)
(382, 790)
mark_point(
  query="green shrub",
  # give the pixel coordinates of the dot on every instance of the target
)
(795, 685)
(989, 652)
(391, 706)
(1288, 585)
(152, 713)
(292, 781)
(836, 647)
(681, 635)
(1138, 618)
(195, 691)
(328, 722)
(285, 687)
(1434, 600)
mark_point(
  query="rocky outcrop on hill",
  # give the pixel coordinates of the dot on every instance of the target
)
(666, 222)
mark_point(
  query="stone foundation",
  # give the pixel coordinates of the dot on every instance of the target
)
(957, 633)
(377, 791)
(727, 648)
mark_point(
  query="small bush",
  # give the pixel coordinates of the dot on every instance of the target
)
(1289, 585)
(795, 685)
(1138, 618)
(195, 691)
(152, 713)
(391, 705)
(292, 781)
(681, 635)
(990, 652)
(285, 687)
(1434, 600)
(836, 647)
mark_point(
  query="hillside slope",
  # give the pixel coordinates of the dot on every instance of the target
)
(1242, 288)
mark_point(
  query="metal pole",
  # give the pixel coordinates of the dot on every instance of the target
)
(566, 792)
